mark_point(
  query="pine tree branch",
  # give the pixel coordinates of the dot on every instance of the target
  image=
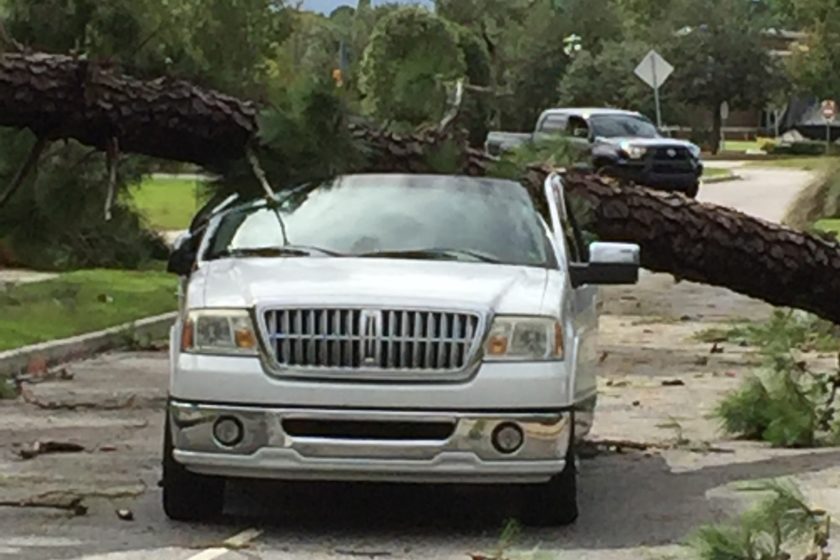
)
(25, 169)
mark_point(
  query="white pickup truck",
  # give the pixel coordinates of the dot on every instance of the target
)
(399, 328)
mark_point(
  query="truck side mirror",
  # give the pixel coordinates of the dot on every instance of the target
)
(183, 255)
(609, 264)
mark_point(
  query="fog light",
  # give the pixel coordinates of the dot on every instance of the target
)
(507, 438)
(228, 431)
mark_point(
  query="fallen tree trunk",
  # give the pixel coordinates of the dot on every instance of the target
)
(60, 97)
(715, 245)
(64, 97)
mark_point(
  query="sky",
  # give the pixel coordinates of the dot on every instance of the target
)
(327, 6)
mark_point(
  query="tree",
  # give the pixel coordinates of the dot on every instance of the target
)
(814, 66)
(410, 60)
(719, 56)
(695, 241)
(480, 100)
(608, 79)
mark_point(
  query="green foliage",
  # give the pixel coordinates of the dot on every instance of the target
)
(720, 56)
(786, 404)
(606, 78)
(769, 531)
(80, 302)
(57, 219)
(478, 105)
(784, 330)
(814, 67)
(411, 58)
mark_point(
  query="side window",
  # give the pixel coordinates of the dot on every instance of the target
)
(577, 128)
(554, 124)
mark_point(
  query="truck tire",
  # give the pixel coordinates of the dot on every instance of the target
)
(188, 496)
(554, 503)
(693, 190)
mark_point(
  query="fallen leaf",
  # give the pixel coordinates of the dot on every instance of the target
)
(716, 349)
(107, 448)
(701, 361)
(637, 403)
(673, 383)
(730, 374)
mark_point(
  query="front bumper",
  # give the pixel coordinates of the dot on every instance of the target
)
(465, 454)
(645, 174)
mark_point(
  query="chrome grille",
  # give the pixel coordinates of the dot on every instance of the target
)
(372, 339)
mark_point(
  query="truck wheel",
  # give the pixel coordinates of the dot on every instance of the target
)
(188, 496)
(554, 503)
(693, 190)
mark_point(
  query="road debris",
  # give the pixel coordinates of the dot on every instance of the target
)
(125, 514)
(701, 361)
(716, 349)
(72, 503)
(673, 383)
(45, 447)
(129, 402)
(363, 553)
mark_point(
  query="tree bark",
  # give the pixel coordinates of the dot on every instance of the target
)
(712, 244)
(66, 97)
(63, 97)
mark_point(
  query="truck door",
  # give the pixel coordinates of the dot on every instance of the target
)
(583, 303)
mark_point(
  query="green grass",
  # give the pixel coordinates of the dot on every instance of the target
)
(81, 302)
(806, 163)
(829, 225)
(167, 204)
(715, 172)
(740, 145)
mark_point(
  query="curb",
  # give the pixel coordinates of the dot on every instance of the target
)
(83, 346)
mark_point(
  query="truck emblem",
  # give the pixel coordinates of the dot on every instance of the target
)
(370, 331)
(672, 152)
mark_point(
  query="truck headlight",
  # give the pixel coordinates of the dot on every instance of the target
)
(219, 331)
(633, 152)
(525, 338)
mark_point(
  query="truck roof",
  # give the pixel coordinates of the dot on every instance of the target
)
(588, 111)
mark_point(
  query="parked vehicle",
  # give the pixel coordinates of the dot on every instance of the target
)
(400, 328)
(621, 144)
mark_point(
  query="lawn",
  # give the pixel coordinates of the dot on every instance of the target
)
(81, 302)
(740, 145)
(167, 203)
(829, 225)
(806, 163)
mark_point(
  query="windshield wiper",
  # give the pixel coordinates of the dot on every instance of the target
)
(278, 251)
(439, 254)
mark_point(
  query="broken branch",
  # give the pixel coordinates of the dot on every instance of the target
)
(25, 169)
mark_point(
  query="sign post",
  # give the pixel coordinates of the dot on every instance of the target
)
(654, 70)
(724, 114)
(829, 111)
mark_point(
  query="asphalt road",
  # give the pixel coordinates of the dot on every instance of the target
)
(633, 505)
(765, 193)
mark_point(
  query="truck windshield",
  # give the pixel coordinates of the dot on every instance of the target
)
(618, 126)
(393, 216)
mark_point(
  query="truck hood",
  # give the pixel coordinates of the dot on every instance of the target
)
(342, 281)
(647, 142)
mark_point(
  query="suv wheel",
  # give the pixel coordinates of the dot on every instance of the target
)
(555, 502)
(188, 496)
